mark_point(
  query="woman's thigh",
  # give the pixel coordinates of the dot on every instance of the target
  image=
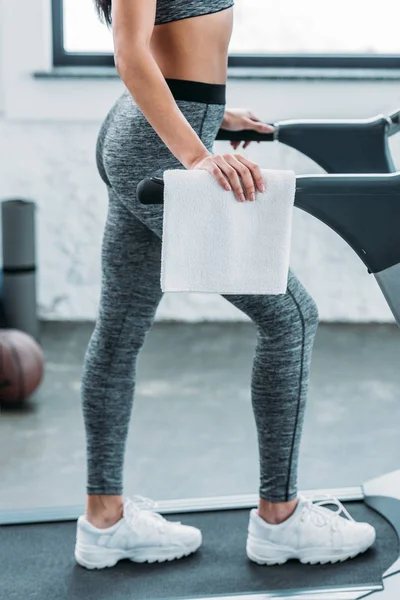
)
(131, 150)
(131, 263)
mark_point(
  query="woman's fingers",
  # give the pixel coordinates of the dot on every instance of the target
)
(255, 123)
(234, 172)
(233, 175)
(245, 174)
(235, 144)
(251, 121)
(254, 169)
(218, 174)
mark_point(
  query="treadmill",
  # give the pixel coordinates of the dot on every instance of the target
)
(362, 204)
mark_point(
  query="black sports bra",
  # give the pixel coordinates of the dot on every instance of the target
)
(174, 10)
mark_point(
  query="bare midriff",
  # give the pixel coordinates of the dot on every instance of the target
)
(195, 48)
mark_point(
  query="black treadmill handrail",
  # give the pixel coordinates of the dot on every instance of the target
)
(362, 209)
(362, 125)
(337, 145)
(367, 184)
(321, 184)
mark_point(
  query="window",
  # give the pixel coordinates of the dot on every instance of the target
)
(344, 33)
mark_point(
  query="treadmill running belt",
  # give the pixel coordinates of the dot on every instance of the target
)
(37, 563)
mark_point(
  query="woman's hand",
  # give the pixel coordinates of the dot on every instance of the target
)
(236, 119)
(233, 171)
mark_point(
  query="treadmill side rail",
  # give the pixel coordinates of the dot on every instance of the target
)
(351, 593)
(68, 513)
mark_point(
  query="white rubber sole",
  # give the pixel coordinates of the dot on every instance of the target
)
(92, 557)
(265, 553)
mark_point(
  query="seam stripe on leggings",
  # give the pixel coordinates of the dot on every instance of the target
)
(203, 121)
(298, 397)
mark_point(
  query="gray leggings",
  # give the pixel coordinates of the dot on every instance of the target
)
(128, 150)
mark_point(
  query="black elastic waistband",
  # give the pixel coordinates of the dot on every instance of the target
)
(197, 91)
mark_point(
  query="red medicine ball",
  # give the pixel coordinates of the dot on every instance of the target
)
(21, 366)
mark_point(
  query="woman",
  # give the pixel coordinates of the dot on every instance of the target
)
(172, 57)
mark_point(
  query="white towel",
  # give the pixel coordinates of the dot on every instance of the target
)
(214, 243)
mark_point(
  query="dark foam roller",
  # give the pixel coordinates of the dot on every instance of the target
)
(38, 564)
(19, 266)
(18, 223)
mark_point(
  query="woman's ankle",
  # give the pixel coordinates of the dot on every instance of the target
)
(276, 512)
(104, 510)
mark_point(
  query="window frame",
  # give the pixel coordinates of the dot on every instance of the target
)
(62, 58)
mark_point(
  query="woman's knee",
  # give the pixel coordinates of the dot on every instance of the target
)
(309, 309)
(292, 315)
(305, 311)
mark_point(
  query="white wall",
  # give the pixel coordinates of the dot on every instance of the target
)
(48, 130)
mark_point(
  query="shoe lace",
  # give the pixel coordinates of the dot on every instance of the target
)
(141, 509)
(321, 516)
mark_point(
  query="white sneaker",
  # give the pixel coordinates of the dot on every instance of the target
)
(312, 534)
(141, 535)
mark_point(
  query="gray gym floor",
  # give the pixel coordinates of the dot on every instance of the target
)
(192, 431)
